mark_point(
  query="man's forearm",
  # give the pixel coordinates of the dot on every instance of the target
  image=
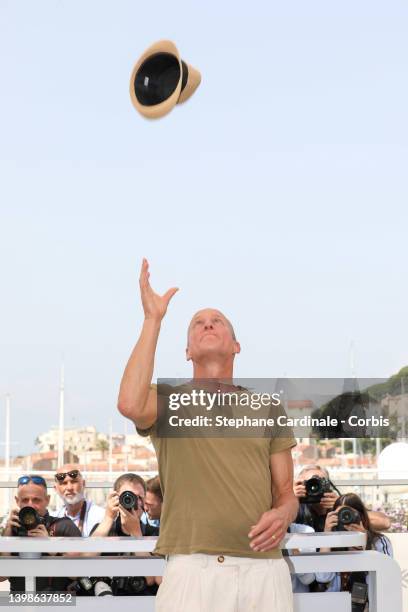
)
(137, 377)
(288, 505)
(103, 528)
(379, 520)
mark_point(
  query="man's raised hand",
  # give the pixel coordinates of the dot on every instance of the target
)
(154, 305)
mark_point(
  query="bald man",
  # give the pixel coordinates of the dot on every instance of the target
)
(70, 487)
(227, 501)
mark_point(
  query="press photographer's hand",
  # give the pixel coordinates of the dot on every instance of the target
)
(299, 488)
(13, 522)
(332, 520)
(355, 527)
(130, 521)
(328, 499)
(38, 532)
(112, 506)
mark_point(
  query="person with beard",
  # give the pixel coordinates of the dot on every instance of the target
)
(70, 486)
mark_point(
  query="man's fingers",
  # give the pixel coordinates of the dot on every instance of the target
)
(267, 540)
(264, 524)
(169, 294)
(144, 273)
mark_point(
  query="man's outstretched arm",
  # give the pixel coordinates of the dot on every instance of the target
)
(137, 401)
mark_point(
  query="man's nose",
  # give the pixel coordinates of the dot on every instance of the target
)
(208, 325)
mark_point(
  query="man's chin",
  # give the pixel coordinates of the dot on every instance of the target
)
(70, 501)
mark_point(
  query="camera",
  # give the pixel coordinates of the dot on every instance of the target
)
(29, 519)
(90, 586)
(315, 487)
(347, 516)
(129, 500)
(129, 585)
(359, 597)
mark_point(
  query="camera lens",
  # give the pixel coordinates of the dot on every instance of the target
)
(314, 486)
(28, 517)
(128, 500)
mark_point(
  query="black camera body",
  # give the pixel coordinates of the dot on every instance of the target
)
(316, 487)
(29, 519)
(129, 500)
(347, 516)
(129, 585)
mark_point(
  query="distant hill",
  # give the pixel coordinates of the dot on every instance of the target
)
(395, 385)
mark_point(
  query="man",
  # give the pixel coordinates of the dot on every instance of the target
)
(315, 514)
(32, 492)
(227, 501)
(154, 501)
(70, 485)
(121, 521)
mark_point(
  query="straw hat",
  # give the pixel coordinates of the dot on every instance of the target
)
(161, 79)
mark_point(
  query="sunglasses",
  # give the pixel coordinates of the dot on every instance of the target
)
(60, 477)
(39, 480)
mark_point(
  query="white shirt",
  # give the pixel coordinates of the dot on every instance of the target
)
(94, 514)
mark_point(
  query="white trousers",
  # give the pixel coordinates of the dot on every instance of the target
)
(210, 583)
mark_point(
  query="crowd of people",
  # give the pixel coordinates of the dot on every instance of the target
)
(323, 509)
(133, 508)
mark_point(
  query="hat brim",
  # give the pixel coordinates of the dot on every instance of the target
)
(193, 81)
(158, 110)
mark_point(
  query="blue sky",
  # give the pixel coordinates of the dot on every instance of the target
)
(278, 193)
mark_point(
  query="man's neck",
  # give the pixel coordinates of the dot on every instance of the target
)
(73, 509)
(214, 369)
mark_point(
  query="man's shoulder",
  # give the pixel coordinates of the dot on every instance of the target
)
(149, 530)
(94, 509)
(60, 512)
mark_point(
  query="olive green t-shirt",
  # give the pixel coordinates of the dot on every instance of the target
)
(214, 490)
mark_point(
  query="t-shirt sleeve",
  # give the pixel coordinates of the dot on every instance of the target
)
(66, 528)
(150, 431)
(282, 437)
(280, 444)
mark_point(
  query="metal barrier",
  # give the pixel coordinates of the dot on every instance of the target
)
(384, 573)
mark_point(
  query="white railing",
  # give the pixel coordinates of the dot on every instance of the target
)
(385, 591)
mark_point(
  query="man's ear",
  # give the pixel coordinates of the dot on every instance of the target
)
(16, 500)
(188, 356)
(83, 483)
(237, 348)
(48, 499)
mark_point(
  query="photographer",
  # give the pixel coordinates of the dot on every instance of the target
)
(153, 501)
(70, 487)
(31, 519)
(350, 514)
(317, 495)
(125, 507)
